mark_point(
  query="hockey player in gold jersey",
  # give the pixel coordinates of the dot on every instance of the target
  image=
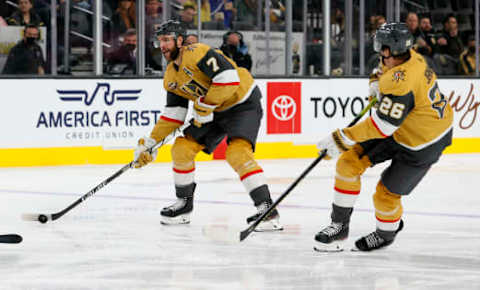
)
(411, 127)
(226, 103)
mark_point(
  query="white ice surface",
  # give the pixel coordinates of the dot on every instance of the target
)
(114, 239)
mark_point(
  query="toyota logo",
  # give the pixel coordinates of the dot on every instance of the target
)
(284, 108)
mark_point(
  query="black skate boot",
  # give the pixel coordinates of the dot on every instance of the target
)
(333, 237)
(179, 212)
(377, 240)
(262, 200)
(270, 222)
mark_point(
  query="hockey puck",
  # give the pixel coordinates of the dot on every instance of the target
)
(42, 218)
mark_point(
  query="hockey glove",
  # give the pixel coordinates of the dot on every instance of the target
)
(373, 88)
(335, 143)
(374, 92)
(141, 156)
(202, 112)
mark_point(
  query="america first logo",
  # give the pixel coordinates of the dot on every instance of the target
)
(102, 90)
(99, 109)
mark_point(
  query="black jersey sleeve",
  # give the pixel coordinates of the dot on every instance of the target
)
(174, 100)
(214, 63)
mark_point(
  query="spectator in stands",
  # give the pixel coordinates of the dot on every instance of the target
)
(372, 23)
(204, 11)
(191, 39)
(381, 20)
(222, 11)
(25, 15)
(295, 58)
(467, 58)
(245, 11)
(412, 24)
(337, 27)
(153, 16)
(187, 15)
(426, 41)
(449, 47)
(26, 56)
(153, 56)
(124, 17)
(375, 21)
(277, 11)
(450, 42)
(123, 60)
(372, 58)
(234, 47)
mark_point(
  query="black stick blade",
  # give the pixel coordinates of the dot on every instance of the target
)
(244, 234)
(11, 239)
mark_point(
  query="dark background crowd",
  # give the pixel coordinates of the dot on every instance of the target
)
(443, 31)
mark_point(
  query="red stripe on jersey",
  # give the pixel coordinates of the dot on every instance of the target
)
(387, 221)
(346, 191)
(250, 173)
(183, 171)
(376, 126)
(227, 84)
(171, 120)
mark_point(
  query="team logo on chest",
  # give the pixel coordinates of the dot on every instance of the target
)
(399, 75)
(194, 89)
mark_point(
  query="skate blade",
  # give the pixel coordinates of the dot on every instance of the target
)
(336, 246)
(178, 220)
(269, 226)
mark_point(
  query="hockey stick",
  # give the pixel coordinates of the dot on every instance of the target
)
(10, 239)
(43, 218)
(244, 234)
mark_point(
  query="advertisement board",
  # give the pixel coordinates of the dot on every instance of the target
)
(328, 104)
(66, 113)
(114, 114)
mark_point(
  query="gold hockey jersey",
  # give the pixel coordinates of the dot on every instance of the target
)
(411, 107)
(203, 72)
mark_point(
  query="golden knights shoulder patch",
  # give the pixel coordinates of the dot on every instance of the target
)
(172, 85)
(191, 47)
(399, 75)
(429, 74)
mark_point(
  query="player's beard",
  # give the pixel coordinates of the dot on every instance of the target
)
(173, 54)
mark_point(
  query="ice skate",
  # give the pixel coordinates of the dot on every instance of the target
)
(376, 240)
(270, 222)
(177, 213)
(331, 238)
